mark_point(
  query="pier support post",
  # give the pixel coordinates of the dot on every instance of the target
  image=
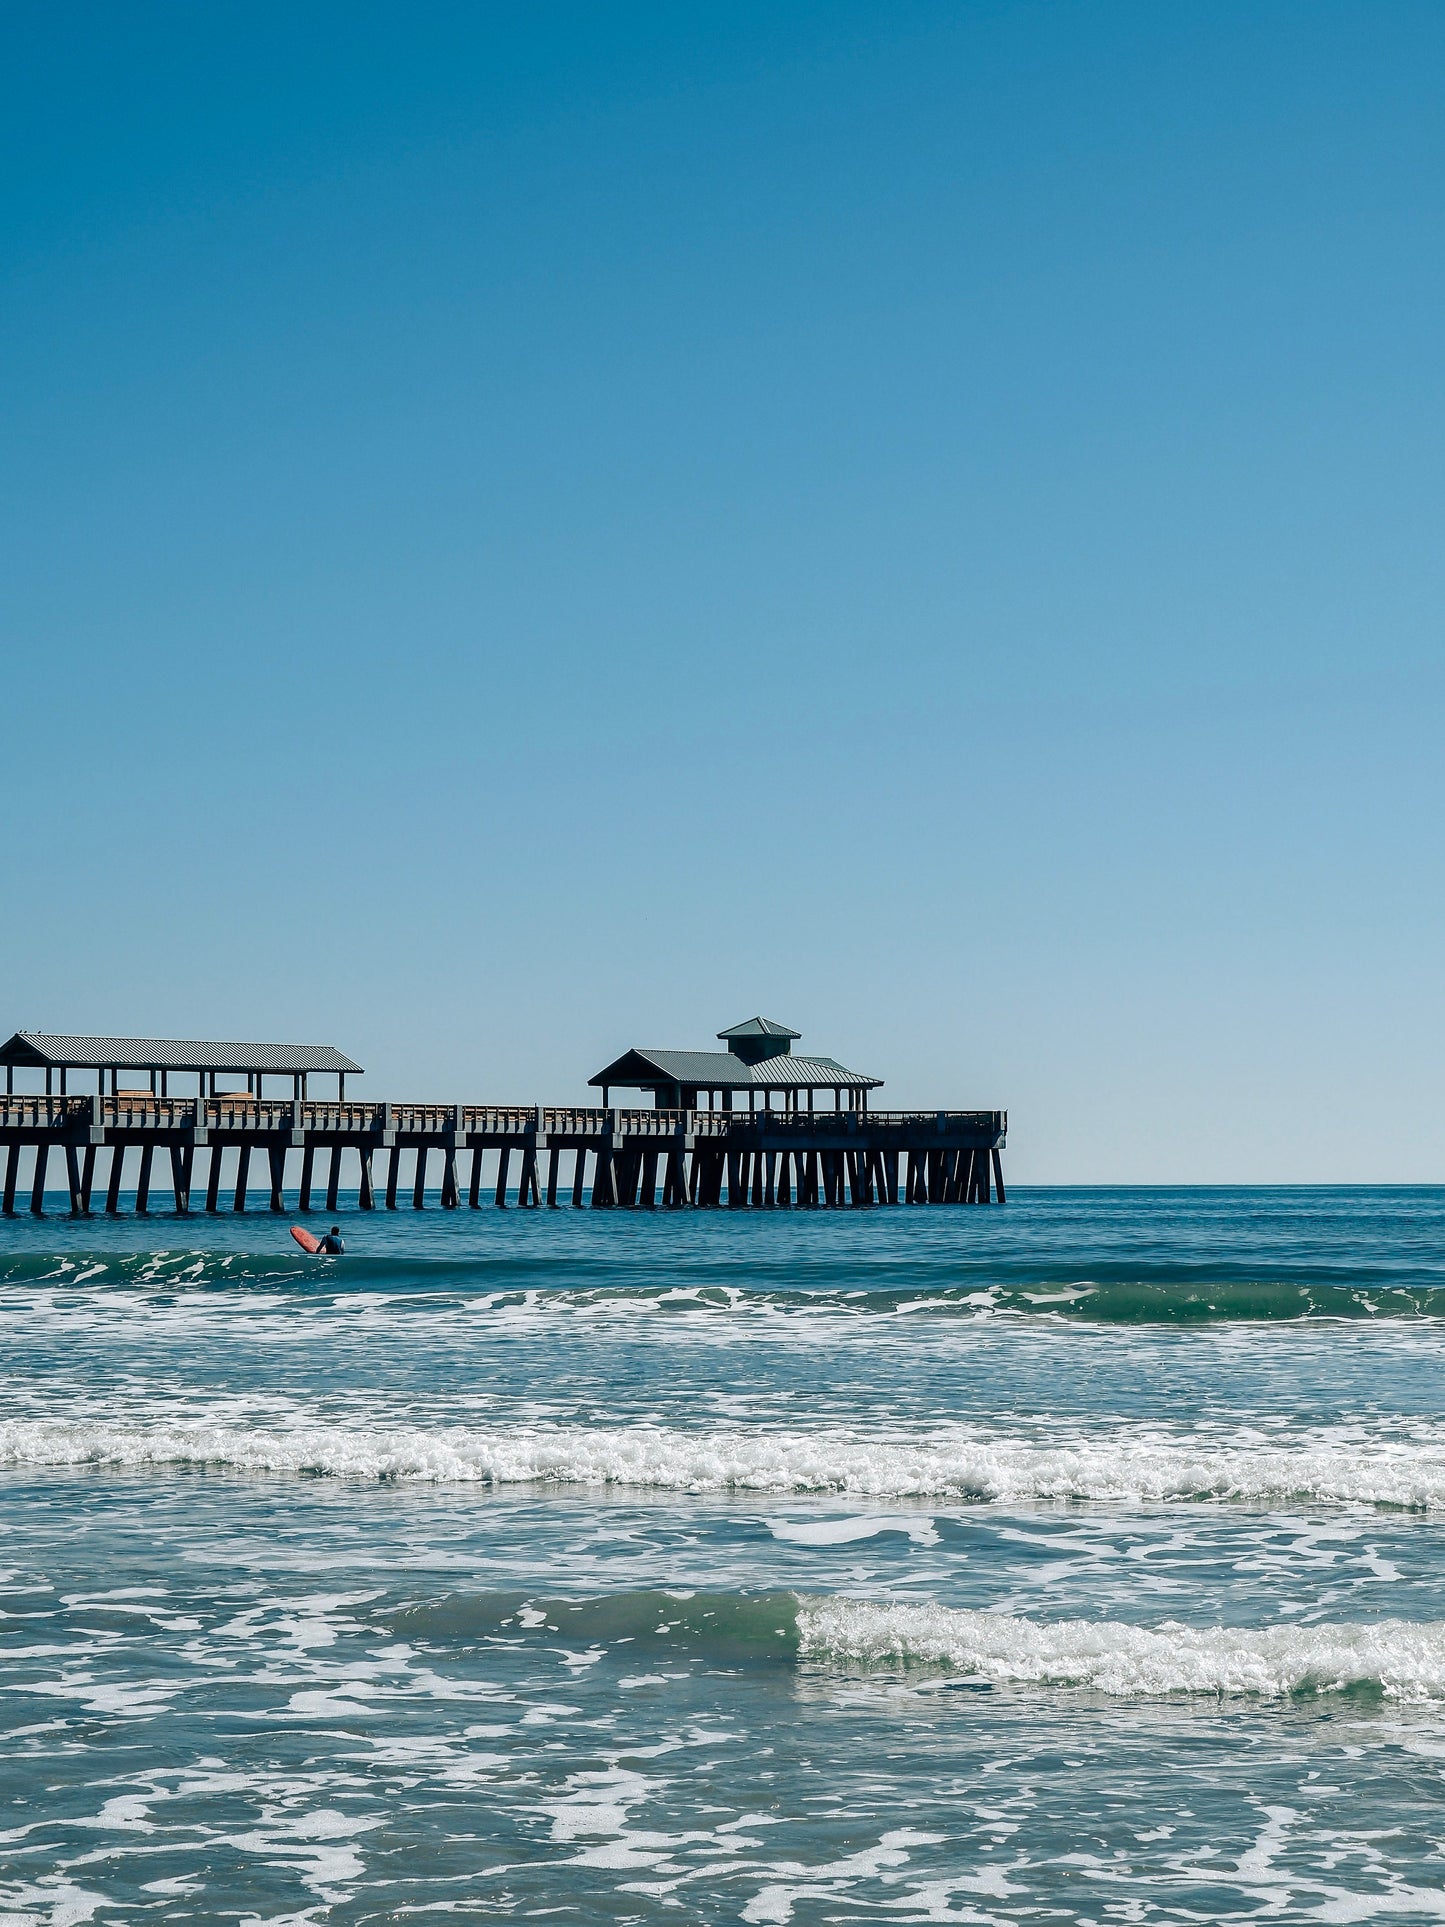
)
(674, 1191)
(451, 1196)
(333, 1177)
(113, 1178)
(474, 1189)
(579, 1177)
(37, 1183)
(213, 1180)
(393, 1162)
(998, 1177)
(308, 1165)
(181, 1155)
(418, 1188)
(527, 1193)
(504, 1158)
(366, 1196)
(12, 1173)
(604, 1178)
(87, 1178)
(143, 1181)
(554, 1171)
(276, 1156)
(243, 1171)
(72, 1178)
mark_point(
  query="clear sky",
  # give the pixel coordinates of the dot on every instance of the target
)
(533, 529)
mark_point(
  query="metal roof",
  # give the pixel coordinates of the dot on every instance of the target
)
(36, 1047)
(759, 1027)
(716, 1069)
(820, 1073)
(719, 1070)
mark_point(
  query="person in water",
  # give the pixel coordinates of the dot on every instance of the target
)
(331, 1245)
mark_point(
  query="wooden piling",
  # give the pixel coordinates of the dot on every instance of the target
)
(276, 1157)
(308, 1161)
(366, 1195)
(37, 1183)
(503, 1160)
(72, 1178)
(243, 1172)
(143, 1181)
(12, 1173)
(527, 1194)
(393, 1165)
(213, 1180)
(579, 1178)
(181, 1156)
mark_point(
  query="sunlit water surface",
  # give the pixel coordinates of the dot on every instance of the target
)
(1078, 1560)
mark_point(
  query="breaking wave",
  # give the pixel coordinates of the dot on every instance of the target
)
(1392, 1659)
(1178, 1292)
(1131, 1464)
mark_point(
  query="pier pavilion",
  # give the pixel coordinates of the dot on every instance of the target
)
(759, 1059)
(783, 1156)
(158, 1058)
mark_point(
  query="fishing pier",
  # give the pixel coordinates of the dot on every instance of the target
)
(234, 1149)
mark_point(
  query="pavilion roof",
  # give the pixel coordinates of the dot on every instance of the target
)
(49, 1049)
(720, 1070)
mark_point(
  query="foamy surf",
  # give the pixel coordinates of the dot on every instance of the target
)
(1397, 1658)
(1136, 1465)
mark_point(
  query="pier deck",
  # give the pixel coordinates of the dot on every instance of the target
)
(608, 1158)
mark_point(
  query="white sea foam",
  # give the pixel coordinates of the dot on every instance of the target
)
(1133, 1464)
(1405, 1660)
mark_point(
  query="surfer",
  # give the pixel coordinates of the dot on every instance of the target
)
(331, 1246)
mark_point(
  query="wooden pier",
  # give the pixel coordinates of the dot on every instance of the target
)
(608, 1158)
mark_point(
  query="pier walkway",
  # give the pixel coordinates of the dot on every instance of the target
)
(602, 1158)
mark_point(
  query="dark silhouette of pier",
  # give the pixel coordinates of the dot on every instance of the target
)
(672, 1157)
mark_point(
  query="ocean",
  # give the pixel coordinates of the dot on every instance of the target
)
(1081, 1559)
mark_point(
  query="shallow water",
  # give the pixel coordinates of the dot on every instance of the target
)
(1075, 1560)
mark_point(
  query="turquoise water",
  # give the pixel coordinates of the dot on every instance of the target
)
(1079, 1560)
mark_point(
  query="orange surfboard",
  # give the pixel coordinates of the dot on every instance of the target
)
(304, 1238)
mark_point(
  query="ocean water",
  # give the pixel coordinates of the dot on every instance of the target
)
(1077, 1560)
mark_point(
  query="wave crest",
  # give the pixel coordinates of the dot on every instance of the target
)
(1139, 1466)
(1397, 1659)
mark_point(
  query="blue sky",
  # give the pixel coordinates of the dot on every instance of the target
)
(531, 530)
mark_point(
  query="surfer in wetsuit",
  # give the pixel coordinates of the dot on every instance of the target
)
(331, 1245)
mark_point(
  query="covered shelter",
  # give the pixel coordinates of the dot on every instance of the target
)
(759, 1059)
(157, 1058)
